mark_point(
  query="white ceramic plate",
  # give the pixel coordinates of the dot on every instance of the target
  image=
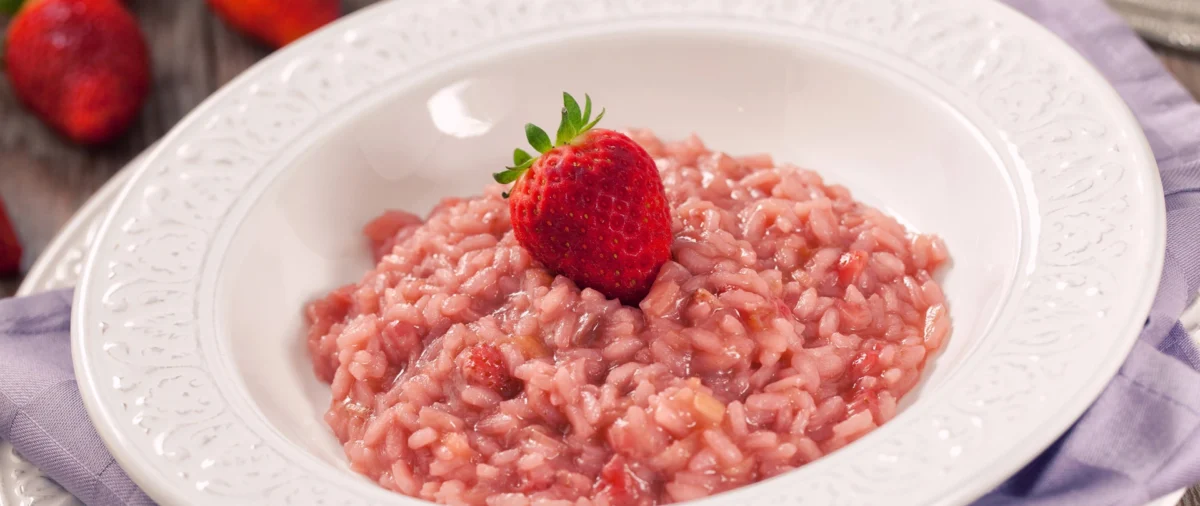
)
(963, 118)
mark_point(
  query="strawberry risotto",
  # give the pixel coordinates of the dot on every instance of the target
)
(788, 323)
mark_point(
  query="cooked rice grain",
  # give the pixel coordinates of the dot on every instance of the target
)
(790, 322)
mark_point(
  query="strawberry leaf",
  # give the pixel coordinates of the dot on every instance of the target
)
(574, 122)
(587, 109)
(537, 138)
(511, 173)
(593, 123)
(520, 157)
(506, 177)
(572, 108)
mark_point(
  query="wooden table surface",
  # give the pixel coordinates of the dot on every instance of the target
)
(44, 179)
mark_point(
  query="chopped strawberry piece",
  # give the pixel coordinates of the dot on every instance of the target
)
(622, 486)
(782, 307)
(484, 367)
(867, 362)
(10, 247)
(820, 433)
(850, 266)
(400, 341)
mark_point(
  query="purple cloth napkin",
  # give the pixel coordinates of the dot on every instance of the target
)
(1139, 440)
(41, 413)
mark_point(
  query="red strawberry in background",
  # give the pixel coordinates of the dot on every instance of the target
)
(276, 22)
(10, 248)
(80, 65)
(591, 206)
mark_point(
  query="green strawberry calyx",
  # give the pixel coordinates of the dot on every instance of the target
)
(574, 123)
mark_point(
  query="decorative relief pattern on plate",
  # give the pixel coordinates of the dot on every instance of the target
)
(1045, 103)
(23, 484)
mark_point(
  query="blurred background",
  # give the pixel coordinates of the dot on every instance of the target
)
(1173, 23)
(193, 50)
(45, 177)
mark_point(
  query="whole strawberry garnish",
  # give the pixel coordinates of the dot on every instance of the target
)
(276, 22)
(10, 248)
(80, 65)
(591, 206)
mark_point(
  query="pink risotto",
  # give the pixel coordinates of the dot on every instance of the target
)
(789, 322)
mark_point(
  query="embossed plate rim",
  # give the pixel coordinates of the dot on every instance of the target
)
(144, 459)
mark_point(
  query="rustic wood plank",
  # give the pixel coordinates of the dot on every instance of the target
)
(1192, 498)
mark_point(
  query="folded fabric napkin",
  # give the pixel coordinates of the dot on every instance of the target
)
(41, 413)
(1138, 441)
